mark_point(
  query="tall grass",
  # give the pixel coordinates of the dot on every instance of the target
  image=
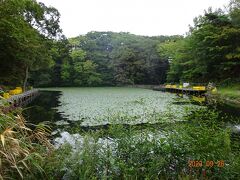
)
(122, 152)
(232, 91)
(21, 149)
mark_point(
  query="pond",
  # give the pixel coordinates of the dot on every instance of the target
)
(113, 128)
(96, 106)
(68, 108)
(89, 108)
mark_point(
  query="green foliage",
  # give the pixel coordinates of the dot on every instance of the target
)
(175, 52)
(210, 52)
(122, 152)
(60, 70)
(232, 92)
(26, 27)
(78, 55)
(22, 149)
(79, 71)
(122, 58)
(85, 74)
(104, 58)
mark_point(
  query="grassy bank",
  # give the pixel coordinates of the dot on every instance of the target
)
(229, 95)
(232, 92)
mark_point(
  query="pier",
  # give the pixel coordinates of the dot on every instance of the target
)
(194, 90)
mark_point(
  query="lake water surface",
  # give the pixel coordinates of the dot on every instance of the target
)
(67, 109)
(114, 126)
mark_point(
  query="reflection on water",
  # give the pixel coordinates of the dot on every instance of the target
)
(190, 99)
(72, 139)
(43, 108)
(199, 99)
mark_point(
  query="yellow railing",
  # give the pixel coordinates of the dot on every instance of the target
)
(17, 90)
(167, 86)
(199, 88)
(171, 86)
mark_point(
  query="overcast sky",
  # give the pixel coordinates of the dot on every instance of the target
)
(141, 17)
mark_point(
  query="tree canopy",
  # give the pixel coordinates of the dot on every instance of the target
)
(109, 59)
(31, 41)
(124, 58)
(210, 51)
(26, 32)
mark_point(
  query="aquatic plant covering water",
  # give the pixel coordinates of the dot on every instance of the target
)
(125, 133)
(98, 106)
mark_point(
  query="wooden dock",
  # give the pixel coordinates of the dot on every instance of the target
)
(23, 99)
(189, 91)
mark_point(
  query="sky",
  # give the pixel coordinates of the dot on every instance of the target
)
(140, 17)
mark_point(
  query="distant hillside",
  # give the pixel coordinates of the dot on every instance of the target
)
(123, 58)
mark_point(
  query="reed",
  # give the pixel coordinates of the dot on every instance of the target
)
(22, 149)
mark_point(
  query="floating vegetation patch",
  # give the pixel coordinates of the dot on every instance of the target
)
(99, 106)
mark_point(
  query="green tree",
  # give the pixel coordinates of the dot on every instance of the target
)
(211, 51)
(175, 53)
(81, 71)
(25, 31)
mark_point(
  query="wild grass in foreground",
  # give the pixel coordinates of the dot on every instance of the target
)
(130, 153)
(22, 149)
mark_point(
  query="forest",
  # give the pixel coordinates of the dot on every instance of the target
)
(107, 59)
(34, 51)
(210, 51)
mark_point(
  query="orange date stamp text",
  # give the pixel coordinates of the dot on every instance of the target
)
(208, 163)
